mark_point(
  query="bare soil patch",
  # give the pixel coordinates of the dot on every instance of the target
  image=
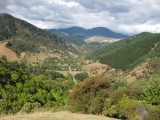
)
(140, 71)
(95, 68)
(11, 55)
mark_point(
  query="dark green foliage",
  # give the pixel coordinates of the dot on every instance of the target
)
(96, 55)
(81, 76)
(8, 31)
(131, 55)
(55, 75)
(105, 50)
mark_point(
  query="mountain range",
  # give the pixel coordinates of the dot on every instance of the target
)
(82, 32)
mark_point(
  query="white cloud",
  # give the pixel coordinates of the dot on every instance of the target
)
(125, 16)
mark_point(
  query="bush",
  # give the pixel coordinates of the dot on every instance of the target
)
(29, 107)
(132, 109)
(109, 109)
(131, 92)
(153, 112)
(152, 91)
(89, 95)
(56, 75)
(81, 76)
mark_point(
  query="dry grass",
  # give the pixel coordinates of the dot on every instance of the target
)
(64, 115)
(11, 55)
(7, 52)
(141, 71)
(95, 67)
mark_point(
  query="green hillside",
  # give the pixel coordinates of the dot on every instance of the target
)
(72, 39)
(127, 53)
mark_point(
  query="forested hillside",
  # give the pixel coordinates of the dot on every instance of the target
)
(26, 37)
(127, 53)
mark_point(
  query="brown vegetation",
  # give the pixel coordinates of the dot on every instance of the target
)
(11, 55)
(95, 68)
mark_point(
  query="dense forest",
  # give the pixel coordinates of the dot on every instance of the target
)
(128, 53)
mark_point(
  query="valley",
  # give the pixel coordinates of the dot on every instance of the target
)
(105, 76)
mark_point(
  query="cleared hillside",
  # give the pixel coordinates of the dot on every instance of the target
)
(11, 55)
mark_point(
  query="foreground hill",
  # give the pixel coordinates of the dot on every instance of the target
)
(55, 116)
(81, 32)
(128, 53)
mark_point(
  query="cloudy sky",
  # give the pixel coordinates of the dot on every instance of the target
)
(124, 16)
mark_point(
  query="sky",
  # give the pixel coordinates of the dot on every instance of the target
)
(123, 16)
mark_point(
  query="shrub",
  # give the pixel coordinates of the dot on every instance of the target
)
(152, 91)
(109, 109)
(29, 107)
(56, 75)
(153, 112)
(131, 92)
(133, 74)
(132, 109)
(81, 76)
(89, 95)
